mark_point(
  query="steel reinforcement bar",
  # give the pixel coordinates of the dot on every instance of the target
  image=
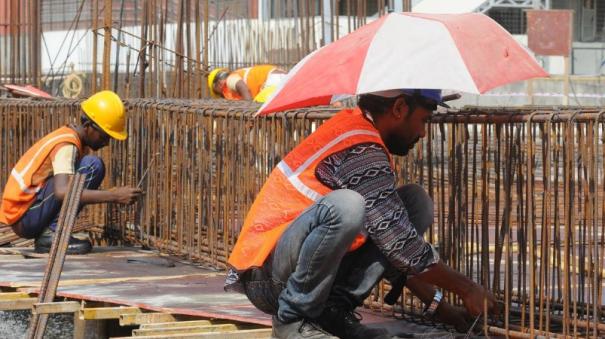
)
(519, 194)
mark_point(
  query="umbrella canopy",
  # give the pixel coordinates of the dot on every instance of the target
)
(27, 91)
(463, 52)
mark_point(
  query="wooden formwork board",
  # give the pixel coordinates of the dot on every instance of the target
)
(176, 324)
(56, 307)
(98, 313)
(145, 318)
(237, 334)
(7, 296)
(17, 304)
(186, 329)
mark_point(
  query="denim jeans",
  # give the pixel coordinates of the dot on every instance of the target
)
(44, 212)
(310, 268)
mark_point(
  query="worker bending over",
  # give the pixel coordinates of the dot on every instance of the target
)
(39, 181)
(251, 83)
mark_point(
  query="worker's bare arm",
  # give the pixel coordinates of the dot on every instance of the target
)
(473, 295)
(243, 90)
(446, 313)
(121, 195)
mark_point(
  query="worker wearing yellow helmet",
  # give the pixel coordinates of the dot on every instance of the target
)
(39, 180)
(251, 83)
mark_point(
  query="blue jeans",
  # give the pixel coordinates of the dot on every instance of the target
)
(310, 268)
(44, 212)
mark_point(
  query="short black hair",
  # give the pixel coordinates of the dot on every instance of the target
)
(378, 105)
(84, 119)
(87, 121)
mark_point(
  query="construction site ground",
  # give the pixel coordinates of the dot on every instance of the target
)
(124, 292)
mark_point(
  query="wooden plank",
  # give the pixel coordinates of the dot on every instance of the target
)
(185, 330)
(264, 333)
(13, 296)
(97, 313)
(11, 251)
(18, 304)
(79, 327)
(56, 307)
(146, 318)
(10, 257)
(177, 324)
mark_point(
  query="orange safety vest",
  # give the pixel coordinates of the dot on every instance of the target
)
(293, 186)
(19, 192)
(254, 77)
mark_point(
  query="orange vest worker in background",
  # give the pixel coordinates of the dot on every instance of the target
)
(37, 184)
(251, 83)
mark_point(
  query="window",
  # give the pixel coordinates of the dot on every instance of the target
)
(512, 19)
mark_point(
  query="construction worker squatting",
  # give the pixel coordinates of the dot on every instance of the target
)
(39, 181)
(330, 223)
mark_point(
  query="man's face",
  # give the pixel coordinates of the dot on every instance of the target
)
(218, 86)
(96, 138)
(408, 126)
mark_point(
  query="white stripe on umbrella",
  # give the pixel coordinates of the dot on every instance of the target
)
(491, 54)
(421, 61)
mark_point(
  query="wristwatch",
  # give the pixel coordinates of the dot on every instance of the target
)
(429, 311)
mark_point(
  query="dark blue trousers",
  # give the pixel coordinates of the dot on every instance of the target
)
(44, 212)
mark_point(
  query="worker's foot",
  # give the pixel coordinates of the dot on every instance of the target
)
(75, 246)
(347, 324)
(302, 329)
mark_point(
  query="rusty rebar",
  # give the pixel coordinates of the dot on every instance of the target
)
(58, 250)
(519, 194)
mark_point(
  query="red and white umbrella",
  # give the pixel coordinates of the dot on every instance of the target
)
(463, 52)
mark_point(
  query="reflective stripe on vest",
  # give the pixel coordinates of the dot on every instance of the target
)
(19, 176)
(246, 73)
(293, 176)
(292, 187)
(19, 192)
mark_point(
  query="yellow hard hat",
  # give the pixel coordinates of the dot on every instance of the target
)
(106, 109)
(211, 78)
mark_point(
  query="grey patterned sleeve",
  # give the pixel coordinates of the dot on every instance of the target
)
(366, 169)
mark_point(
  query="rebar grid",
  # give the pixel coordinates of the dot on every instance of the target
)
(519, 193)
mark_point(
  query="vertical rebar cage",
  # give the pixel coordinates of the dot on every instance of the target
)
(519, 194)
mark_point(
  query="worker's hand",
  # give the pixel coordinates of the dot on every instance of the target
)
(475, 296)
(454, 316)
(126, 195)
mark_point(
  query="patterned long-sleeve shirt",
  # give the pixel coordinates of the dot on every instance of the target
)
(366, 169)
